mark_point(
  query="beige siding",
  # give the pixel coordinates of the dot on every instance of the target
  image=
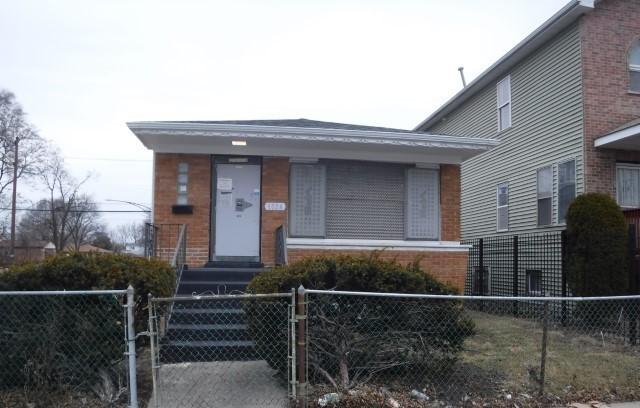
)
(546, 129)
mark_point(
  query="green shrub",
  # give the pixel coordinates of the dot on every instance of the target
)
(597, 247)
(354, 337)
(49, 341)
(78, 271)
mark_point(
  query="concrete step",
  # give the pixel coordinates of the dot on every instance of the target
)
(196, 333)
(206, 350)
(187, 287)
(220, 274)
(215, 315)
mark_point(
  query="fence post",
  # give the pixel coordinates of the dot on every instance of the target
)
(516, 287)
(301, 347)
(481, 266)
(152, 345)
(131, 349)
(543, 358)
(563, 274)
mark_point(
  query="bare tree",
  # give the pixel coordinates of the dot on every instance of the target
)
(128, 234)
(21, 149)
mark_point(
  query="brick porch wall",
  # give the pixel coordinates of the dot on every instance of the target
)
(275, 188)
(449, 267)
(606, 35)
(199, 190)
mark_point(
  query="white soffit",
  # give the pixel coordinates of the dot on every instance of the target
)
(624, 139)
(300, 142)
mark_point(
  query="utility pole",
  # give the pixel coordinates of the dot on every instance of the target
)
(14, 199)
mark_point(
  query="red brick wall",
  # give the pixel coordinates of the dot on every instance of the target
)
(275, 188)
(199, 191)
(450, 202)
(449, 267)
(606, 36)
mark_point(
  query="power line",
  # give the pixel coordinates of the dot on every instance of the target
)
(77, 211)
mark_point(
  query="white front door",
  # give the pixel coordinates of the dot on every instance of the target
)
(237, 212)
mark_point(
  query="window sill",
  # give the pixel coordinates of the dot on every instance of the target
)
(375, 244)
(637, 93)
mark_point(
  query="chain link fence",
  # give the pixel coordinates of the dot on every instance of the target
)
(65, 349)
(221, 351)
(386, 350)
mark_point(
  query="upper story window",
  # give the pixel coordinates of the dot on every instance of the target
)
(545, 195)
(634, 67)
(504, 103)
(502, 207)
(183, 181)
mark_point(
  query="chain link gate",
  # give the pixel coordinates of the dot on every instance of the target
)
(223, 350)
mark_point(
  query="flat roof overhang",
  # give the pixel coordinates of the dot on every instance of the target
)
(312, 143)
(622, 139)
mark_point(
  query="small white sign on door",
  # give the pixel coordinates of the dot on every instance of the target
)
(275, 206)
(225, 184)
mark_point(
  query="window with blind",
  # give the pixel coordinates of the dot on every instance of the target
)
(503, 91)
(628, 186)
(545, 195)
(502, 207)
(363, 200)
(566, 187)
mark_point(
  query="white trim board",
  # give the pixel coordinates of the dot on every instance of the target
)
(376, 244)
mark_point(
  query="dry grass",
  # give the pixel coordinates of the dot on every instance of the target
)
(576, 364)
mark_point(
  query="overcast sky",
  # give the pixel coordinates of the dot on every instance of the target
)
(81, 69)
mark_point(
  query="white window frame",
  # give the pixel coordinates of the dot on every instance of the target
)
(633, 67)
(538, 198)
(575, 187)
(498, 207)
(628, 166)
(507, 79)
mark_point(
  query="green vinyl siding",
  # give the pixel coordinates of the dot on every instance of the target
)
(546, 130)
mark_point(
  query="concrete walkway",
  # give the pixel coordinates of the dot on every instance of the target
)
(219, 384)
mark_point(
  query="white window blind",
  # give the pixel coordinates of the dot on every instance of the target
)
(628, 186)
(423, 204)
(545, 193)
(504, 103)
(502, 210)
(566, 187)
(307, 195)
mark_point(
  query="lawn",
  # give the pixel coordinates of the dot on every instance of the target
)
(507, 350)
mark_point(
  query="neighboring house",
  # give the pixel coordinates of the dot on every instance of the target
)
(565, 106)
(31, 251)
(337, 188)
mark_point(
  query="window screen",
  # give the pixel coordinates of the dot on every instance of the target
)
(502, 204)
(423, 202)
(365, 200)
(545, 188)
(566, 187)
(307, 200)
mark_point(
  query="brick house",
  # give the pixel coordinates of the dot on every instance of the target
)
(335, 188)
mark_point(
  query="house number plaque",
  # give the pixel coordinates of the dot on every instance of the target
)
(275, 206)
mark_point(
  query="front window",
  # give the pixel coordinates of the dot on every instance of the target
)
(634, 67)
(566, 187)
(502, 204)
(628, 186)
(545, 193)
(340, 199)
(504, 103)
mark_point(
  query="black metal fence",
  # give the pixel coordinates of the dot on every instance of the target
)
(517, 265)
